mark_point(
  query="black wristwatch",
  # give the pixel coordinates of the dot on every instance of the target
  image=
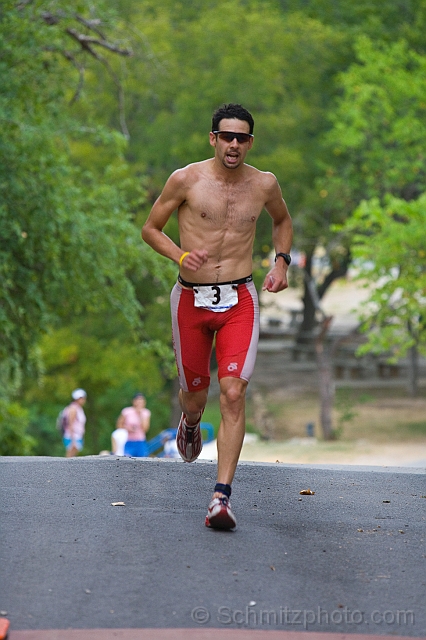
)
(286, 256)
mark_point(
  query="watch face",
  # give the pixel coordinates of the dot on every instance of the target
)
(285, 256)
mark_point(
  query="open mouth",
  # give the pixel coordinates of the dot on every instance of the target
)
(232, 158)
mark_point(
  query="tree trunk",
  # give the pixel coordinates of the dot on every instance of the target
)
(413, 363)
(313, 294)
(325, 379)
(262, 418)
(309, 308)
(413, 371)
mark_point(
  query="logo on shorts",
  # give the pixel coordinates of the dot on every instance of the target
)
(233, 366)
(196, 382)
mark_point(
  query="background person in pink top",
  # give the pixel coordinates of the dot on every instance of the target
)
(136, 420)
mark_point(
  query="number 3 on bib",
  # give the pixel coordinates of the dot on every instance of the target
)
(216, 297)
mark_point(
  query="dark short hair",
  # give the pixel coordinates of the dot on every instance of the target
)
(230, 111)
(138, 395)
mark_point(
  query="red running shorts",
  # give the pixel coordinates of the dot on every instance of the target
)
(194, 329)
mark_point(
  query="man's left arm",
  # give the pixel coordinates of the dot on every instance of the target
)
(282, 237)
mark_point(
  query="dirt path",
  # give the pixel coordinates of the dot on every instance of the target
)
(311, 451)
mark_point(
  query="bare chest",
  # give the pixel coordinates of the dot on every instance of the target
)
(221, 205)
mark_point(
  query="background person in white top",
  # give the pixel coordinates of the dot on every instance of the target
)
(75, 424)
(118, 441)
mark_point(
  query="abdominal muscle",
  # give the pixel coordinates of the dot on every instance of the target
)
(229, 256)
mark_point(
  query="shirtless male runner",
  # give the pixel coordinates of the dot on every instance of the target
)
(218, 201)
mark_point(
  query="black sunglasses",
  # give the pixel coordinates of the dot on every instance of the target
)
(229, 136)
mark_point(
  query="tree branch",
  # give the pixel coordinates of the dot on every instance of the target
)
(86, 41)
(88, 44)
(21, 5)
(80, 70)
(313, 292)
(340, 272)
(91, 24)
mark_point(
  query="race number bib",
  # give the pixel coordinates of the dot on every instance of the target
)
(220, 297)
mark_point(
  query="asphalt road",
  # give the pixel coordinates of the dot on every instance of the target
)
(350, 559)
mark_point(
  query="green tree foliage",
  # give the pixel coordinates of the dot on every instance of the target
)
(67, 240)
(389, 249)
(387, 21)
(378, 139)
(71, 258)
(14, 439)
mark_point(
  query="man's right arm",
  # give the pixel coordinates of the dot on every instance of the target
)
(169, 200)
(172, 196)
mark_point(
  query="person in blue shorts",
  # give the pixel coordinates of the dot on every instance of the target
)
(136, 420)
(75, 424)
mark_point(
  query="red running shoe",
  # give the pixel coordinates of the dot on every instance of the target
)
(219, 514)
(188, 440)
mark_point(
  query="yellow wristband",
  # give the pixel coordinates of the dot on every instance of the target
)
(183, 256)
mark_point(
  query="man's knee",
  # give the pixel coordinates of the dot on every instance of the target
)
(233, 390)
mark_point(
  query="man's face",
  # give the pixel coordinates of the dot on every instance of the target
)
(231, 153)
